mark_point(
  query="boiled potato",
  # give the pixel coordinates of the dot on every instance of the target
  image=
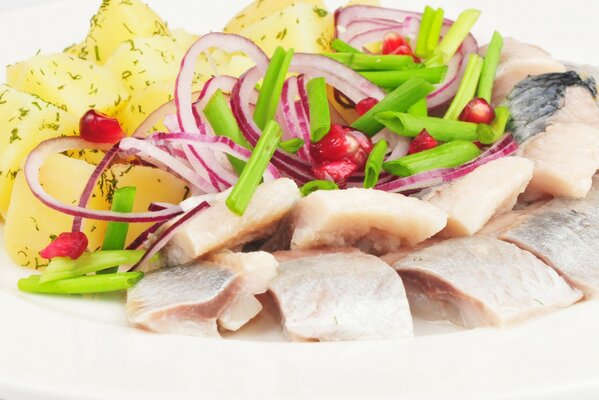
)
(260, 9)
(69, 83)
(376, 3)
(80, 50)
(142, 103)
(25, 121)
(183, 38)
(300, 26)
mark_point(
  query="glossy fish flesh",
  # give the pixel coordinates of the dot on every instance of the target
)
(345, 296)
(473, 199)
(375, 221)
(478, 281)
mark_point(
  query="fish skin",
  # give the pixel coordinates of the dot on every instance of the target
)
(184, 300)
(564, 234)
(478, 281)
(333, 297)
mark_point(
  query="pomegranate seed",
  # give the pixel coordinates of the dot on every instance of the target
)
(478, 111)
(365, 105)
(422, 141)
(67, 244)
(100, 128)
(338, 171)
(342, 143)
(392, 41)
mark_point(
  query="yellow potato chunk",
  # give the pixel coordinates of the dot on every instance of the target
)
(69, 83)
(142, 103)
(183, 38)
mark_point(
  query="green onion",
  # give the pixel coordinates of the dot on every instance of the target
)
(250, 178)
(487, 76)
(272, 85)
(81, 284)
(447, 155)
(116, 232)
(457, 33)
(419, 109)
(374, 164)
(467, 87)
(435, 31)
(63, 267)
(313, 186)
(292, 145)
(237, 164)
(340, 46)
(318, 103)
(396, 78)
(444, 130)
(372, 62)
(426, 23)
(489, 134)
(401, 99)
(221, 119)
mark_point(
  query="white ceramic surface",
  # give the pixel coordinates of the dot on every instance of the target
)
(82, 348)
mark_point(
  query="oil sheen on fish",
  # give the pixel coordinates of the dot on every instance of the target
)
(478, 281)
(347, 296)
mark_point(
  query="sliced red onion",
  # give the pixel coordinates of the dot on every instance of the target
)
(143, 237)
(194, 201)
(345, 16)
(36, 159)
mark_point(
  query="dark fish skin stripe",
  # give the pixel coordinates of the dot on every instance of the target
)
(536, 99)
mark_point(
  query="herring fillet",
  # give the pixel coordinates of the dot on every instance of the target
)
(478, 281)
(374, 221)
(218, 228)
(347, 296)
(472, 200)
(183, 300)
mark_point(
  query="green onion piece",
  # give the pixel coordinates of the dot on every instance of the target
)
(489, 134)
(426, 23)
(419, 109)
(341, 47)
(237, 164)
(221, 119)
(443, 130)
(372, 62)
(374, 164)
(64, 268)
(401, 99)
(250, 178)
(467, 87)
(396, 78)
(320, 115)
(292, 145)
(272, 85)
(435, 31)
(487, 76)
(81, 284)
(457, 33)
(116, 232)
(313, 186)
(447, 155)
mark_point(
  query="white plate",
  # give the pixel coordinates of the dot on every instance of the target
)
(81, 348)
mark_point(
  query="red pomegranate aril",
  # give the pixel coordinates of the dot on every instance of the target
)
(365, 105)
(392, 41)
(67, 244)
(478, 111)
(422, 141)
(100, 128)
(342, 143)
(338, 171)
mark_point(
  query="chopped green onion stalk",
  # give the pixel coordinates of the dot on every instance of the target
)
(374, 164)
(435, 31)
(443, 130)
(341, 47)
(82, 284)
(426, 23)
(467, 87)
(64, 267)
(221, 119)
(320, 115)
(401, 99)
(237, 164)
(396, 78)
(272, 85)
(372, 62)
(250, 178)
(313, 186)
(489, 134)
(292, 145)
(457, 33)
(447, 155)
(487, 76)
(419, 109)
(116, 232)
